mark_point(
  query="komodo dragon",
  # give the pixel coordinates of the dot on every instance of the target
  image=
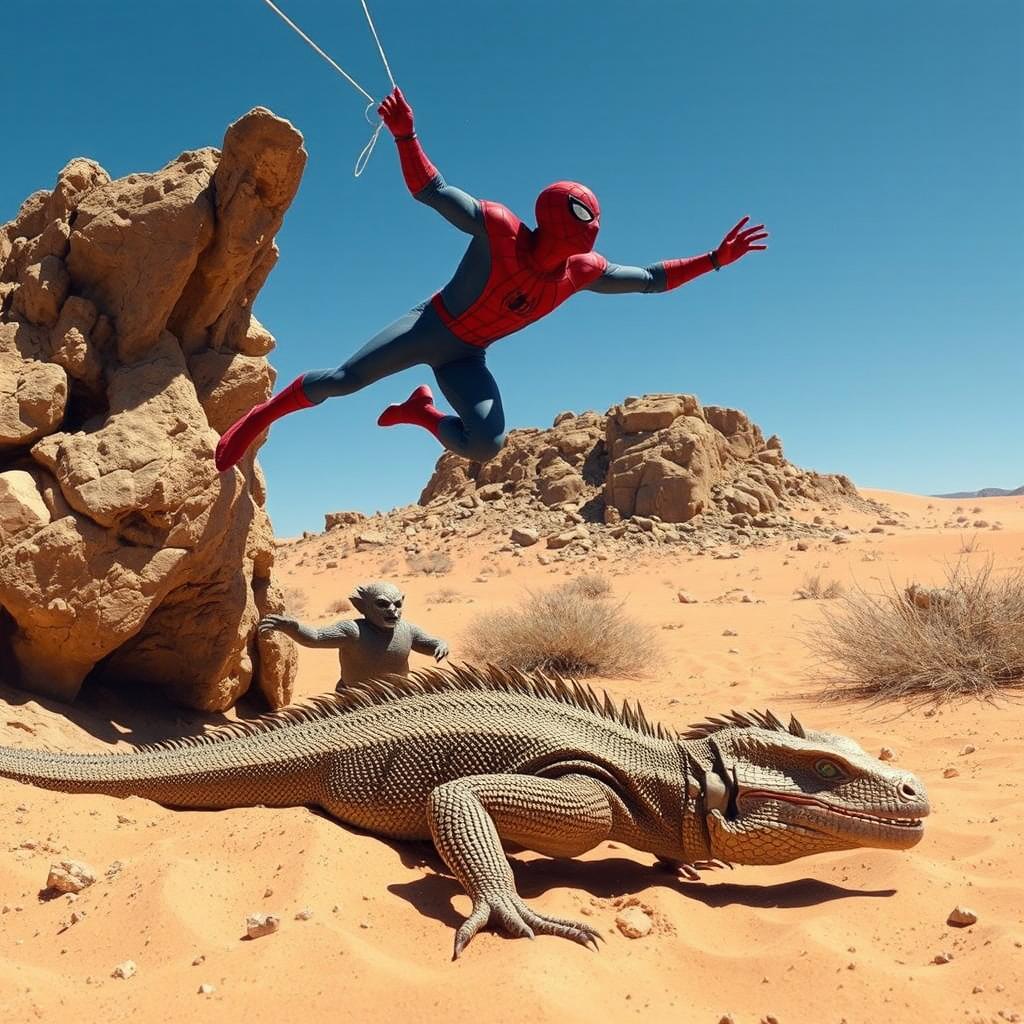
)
(472, 758)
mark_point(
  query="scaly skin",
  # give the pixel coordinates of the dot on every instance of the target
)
(472, 758)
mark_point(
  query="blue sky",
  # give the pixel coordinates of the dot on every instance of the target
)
(882, 143)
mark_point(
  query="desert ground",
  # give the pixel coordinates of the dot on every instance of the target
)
(850, 937)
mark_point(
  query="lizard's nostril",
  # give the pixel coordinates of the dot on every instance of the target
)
(907, 790)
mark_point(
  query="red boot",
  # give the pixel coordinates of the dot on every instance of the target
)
(236, 439)
(418, 409)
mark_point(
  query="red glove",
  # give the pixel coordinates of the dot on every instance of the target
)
(738, 243)
(417, 169)
(396, 113)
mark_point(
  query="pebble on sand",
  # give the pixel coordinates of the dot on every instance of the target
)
(887, 754)
(125, 970)
(70, 876)
(206, 989)
(634, 922)
(961, 917)
(258, 925)
(685, 597)
(950, 773)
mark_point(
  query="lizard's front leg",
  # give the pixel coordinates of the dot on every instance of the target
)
(470, 816)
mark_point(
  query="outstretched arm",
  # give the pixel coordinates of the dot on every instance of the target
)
(424, 643)
(335, 635)
(669, 274)
(421, 177)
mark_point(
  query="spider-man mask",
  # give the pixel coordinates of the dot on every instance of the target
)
(568, 218)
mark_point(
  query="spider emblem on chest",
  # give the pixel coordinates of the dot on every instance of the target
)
(519, 302)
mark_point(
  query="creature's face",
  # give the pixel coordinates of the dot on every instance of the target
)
(773, 796)
(381, 603)
(568, 219)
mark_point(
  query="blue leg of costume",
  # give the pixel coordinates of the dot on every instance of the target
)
(477, 431)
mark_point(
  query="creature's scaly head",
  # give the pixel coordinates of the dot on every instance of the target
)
(380, 602)
(774, 793)
(568, 219)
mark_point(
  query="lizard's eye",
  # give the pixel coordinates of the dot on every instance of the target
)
(580, 211)
(828, 769)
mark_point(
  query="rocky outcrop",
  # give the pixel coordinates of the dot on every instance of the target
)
(126, 344)
(661, 456)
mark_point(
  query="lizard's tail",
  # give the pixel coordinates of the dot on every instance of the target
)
(182, 777)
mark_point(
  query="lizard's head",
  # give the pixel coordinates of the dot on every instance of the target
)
(773, 792)
(381, 603)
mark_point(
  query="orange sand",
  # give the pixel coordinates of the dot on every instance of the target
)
(844, 937)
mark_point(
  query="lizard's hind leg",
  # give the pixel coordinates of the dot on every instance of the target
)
(470, 816)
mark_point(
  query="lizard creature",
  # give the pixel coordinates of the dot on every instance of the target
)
(476, 758)
(376, 645)
(510, 276)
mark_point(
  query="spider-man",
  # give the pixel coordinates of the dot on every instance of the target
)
(509, 277)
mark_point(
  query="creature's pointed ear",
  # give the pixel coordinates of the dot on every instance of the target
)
(358, 599)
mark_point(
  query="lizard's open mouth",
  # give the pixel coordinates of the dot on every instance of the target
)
(908, 821)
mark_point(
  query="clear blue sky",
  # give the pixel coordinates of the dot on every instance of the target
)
(882, 143)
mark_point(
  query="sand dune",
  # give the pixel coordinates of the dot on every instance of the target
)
(846, 937)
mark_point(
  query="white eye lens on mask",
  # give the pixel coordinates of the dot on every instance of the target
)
(580, 212)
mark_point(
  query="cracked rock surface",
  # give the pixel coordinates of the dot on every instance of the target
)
(126, 342)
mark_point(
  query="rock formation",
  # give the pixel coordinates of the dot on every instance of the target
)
(662, 456)
(126, 342)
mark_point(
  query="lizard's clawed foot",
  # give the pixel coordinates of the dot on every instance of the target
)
(509, 914)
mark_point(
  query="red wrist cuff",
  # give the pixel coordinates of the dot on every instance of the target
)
(417, 169)
(678, 272)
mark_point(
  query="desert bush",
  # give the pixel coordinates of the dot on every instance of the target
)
(563, 630)
(446, 595)
(968, 545)
(591, 585)
(342, 604)
(814, 588)
(965, 639)
(431, 563)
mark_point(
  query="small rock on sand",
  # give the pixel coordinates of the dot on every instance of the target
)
(634, 922)
(685, 597)
(524, 536)
(942, 958)
(70, 876)
(258, 925)
(305, 914)
(125, 970)
(950, 773)
(887, 754)
(961, 917)
(207, 989)
(968, 749)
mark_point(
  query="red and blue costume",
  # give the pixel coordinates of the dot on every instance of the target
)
(510, 276)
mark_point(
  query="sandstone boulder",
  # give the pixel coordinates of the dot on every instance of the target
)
(663, 456)
(126, 344)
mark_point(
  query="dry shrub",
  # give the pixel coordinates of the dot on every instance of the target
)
(431, 563)
(446, 595)
(591, 585)
(969, 643)
(563, 630)
(337, 607)
(814, 588)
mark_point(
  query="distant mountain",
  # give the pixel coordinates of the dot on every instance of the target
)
(985, 492)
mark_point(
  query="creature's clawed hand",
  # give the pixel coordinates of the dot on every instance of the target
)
(512, 916)
(441, 651)
(739, 241)
(269, 623)
(396, 113)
